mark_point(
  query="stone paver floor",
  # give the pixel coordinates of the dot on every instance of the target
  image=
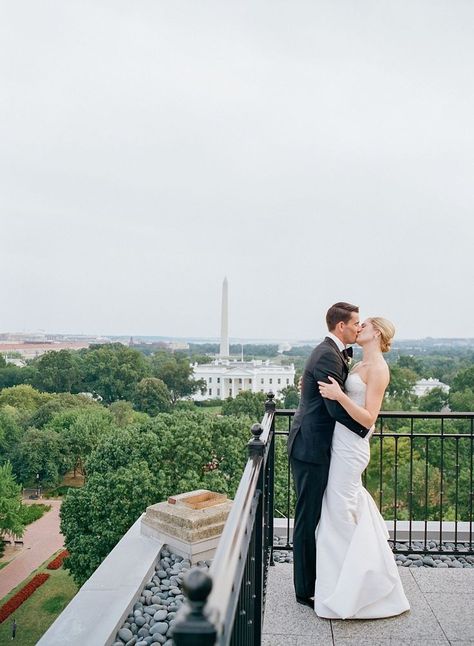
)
(442, 612)
(41, 539)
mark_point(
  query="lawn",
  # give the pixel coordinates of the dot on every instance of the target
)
(39, 611)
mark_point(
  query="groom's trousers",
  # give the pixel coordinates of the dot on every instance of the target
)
(310, 482)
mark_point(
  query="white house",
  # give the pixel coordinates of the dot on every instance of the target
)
(226, 378)
(424, 386)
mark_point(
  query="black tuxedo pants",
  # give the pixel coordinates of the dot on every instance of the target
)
(310, 482)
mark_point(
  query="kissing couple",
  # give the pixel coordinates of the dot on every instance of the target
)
(343, 565)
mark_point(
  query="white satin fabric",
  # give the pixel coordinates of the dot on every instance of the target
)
(356, 574)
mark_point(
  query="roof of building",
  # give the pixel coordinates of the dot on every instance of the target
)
(242, 368)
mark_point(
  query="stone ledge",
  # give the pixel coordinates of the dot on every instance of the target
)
(403, 529)
(94, 615)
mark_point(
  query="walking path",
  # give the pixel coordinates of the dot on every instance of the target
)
(442, 613)
(41, 539)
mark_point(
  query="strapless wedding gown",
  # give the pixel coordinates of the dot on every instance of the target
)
(356, 574)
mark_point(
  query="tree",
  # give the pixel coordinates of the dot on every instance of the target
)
(79, 431)
(176, 372)
(59, 403)
(11, 517)
(291, 397)
(124, 476)
(462, 401)
(200, 451)
(58, 372)
(246, 403)
(463, 380)
(11, 375)
(434, 400)
(399, 395)
(411, 480)
(113, 371)
(24, 397)
(122, 412)
(152, 396)
(95, 517)
(10, 431)
(412, 363)
(402, 381)
(40, 452)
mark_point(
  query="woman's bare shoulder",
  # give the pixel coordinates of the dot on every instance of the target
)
(378, 371)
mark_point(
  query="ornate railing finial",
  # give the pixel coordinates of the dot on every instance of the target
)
(193, 628)
(256, 446)
(270, 404)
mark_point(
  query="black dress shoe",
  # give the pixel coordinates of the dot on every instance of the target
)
(305, 601)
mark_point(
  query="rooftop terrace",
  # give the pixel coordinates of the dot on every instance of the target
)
(442, 613)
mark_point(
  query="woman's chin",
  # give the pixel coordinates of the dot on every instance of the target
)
(359, 342)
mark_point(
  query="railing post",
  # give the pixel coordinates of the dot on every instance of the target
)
(257, 448)
(270, 407)
(193, 628)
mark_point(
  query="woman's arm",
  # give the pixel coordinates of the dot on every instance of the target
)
(377, 381)
(330, 364)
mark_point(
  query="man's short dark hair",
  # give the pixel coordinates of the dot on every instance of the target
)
(340, 312)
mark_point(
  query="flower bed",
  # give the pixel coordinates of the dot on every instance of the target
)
(22, 595)
(58, 561)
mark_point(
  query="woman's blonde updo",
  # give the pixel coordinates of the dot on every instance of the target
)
(387, 332)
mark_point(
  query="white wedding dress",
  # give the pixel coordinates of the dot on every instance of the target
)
(356, 574)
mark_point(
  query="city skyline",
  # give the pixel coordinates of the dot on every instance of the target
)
(236, 340)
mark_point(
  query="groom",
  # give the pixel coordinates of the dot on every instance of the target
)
(309, 441)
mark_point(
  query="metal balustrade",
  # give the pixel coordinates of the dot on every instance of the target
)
(420, 475)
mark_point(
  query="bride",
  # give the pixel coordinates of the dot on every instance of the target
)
(357, 577)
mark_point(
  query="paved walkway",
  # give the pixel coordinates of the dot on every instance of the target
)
(41, 540)
(442, 613)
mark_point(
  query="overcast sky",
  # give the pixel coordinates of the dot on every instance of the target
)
(311, 151)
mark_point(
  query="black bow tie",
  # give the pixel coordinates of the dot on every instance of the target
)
(347, 353)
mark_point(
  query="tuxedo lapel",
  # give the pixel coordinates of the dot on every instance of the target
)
(339, 354)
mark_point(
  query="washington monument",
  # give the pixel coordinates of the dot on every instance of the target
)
(224, 349)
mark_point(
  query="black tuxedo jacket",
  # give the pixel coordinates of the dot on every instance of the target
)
(313, 424)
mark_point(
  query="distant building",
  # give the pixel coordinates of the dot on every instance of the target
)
(424, 386)
(178, 345)
(15, 361)
(31, 350)
(225, 377)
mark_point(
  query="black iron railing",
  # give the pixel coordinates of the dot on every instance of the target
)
(420, 474)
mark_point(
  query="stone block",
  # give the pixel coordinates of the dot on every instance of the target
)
(190, 523)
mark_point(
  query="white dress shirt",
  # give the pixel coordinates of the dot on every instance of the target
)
(337, 341)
